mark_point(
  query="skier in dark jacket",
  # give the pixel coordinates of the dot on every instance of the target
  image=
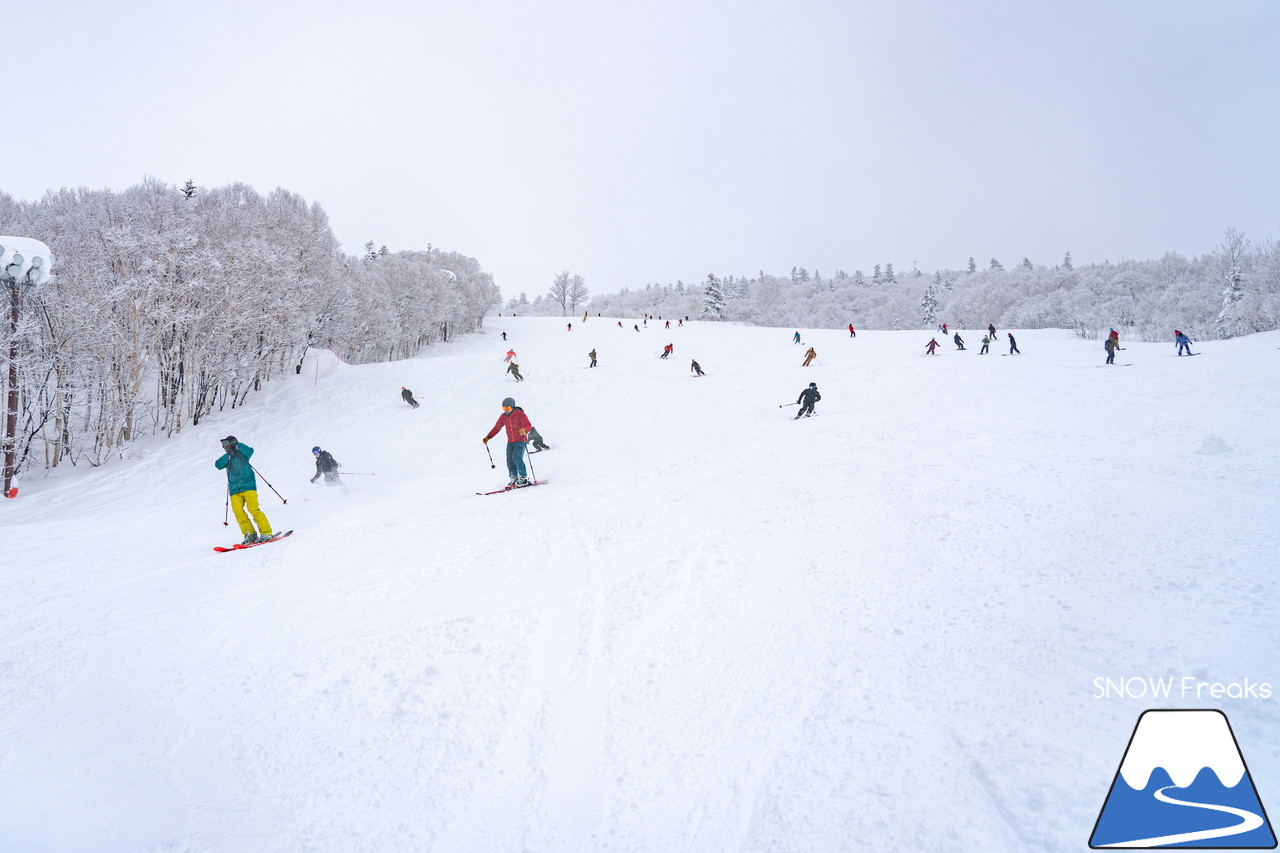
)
(516, 423)
(242, 487)
(514, 370)
(326, 465)
(407, 396)
(808, 397)
(931, 346)
(959, 341)
(535, 438)
(1013, 344)
(696, 368)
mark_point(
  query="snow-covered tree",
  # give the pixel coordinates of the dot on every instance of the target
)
(713, 300)
(578, 293)
(929, 304)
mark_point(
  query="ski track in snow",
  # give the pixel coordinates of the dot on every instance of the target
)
(716, 629)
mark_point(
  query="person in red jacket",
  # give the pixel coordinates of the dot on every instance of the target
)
(517, 425)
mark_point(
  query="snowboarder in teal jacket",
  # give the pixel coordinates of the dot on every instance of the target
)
(242, 487)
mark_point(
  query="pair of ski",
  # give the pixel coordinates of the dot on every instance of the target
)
(513, 488)
(242, 547)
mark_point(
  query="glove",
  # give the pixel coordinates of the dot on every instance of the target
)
(524, 432)
(485, 440)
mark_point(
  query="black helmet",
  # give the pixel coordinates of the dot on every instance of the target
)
(507, 401)
(813, 384)
(231, 439)
(315, 449)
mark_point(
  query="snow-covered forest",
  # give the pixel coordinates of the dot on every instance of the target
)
(1231, 291)
(171, 302)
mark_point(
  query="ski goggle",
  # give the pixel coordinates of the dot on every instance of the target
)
(315, 453)
(506, 408)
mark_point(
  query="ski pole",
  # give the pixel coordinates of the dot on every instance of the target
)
(533, 475)
(490, 452)
(268, 482)
(358, 474)
(226, 509)
(784, 405)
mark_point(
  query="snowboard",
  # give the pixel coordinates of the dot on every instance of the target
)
(513, 488)
(242, 547)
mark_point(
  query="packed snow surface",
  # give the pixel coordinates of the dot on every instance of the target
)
(717, 628)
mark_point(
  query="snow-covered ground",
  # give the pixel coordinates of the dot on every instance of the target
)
(716, 629)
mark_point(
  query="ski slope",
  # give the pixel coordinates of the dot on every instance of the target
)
(716, 628)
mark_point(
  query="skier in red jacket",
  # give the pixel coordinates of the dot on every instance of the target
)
(517, 425)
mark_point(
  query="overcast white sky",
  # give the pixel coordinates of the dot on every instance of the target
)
(649, 142)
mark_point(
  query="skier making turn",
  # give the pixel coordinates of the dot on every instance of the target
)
(242, 487)
(326, 465)
(808, 397)
(516, 423)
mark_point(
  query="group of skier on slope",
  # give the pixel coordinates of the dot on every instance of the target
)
(242, 485)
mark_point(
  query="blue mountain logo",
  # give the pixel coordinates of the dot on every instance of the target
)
(1183, 783)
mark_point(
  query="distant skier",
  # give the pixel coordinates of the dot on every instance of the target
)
(808, 397)
(535, 438)
(944, 328)
(796, 339)
(679, 322)
(570, 326)
(242, 488)
(1111, 345)
(959, 341)
(696, 368)
(504, 336)
(636, 327)
(514, 370)
(1013, 344)
(986, 342)
(668, 326)
(931, 346)
(516, 423)
(852, 333)
(511, 355)
(592, 355)
(809, 356)
(991, 331)
(667, 350)
(326, 465)
(1182, 341)
(407, 396)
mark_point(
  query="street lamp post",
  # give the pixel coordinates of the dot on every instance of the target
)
(24, 266)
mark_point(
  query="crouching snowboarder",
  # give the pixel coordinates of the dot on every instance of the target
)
(808, 397)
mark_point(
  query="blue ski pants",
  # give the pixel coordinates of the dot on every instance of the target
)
(515, 459)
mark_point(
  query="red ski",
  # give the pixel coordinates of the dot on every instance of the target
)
(276, 538)
(513, 488)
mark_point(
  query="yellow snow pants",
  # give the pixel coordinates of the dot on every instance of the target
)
(249, 500)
